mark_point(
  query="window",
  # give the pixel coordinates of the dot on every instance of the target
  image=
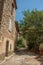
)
(12, 8)
(10, 25)
(10, 46)
(0, 25)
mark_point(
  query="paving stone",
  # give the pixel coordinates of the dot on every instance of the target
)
(22, 60)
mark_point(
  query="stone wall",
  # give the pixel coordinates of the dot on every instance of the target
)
(5, 33)
(1, 11)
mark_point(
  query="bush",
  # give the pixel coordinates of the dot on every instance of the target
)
(30, 46)
(20, 42)
(33, 46)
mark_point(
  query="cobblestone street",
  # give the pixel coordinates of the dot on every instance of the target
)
(23, 58)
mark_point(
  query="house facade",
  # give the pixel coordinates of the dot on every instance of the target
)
(7, 26)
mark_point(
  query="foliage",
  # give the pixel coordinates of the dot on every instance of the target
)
(20, 42)
(32, 26)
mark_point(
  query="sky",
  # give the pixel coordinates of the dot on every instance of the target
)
(25, 5)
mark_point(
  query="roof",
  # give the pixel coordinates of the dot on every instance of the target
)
(15, 4)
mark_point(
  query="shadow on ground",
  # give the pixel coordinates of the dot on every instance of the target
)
(24, 52)
(40, 58)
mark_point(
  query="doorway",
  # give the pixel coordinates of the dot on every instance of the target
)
(7, 47)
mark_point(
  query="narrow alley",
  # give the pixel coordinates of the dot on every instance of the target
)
(23, 57)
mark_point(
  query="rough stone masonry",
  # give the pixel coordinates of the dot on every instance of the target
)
(7, 27)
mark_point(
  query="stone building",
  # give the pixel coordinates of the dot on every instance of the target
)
(7, 26)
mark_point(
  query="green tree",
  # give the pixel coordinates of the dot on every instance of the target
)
(32, 27)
